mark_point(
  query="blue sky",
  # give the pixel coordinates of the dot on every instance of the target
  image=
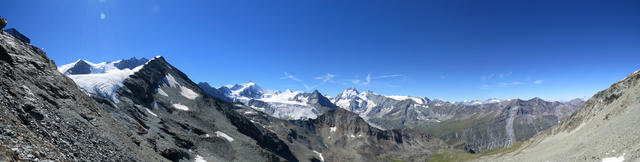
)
(447, 49)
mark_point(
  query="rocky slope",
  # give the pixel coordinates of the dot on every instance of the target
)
(46, 117)
(605, 128)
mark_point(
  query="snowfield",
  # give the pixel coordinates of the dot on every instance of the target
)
(104, 84)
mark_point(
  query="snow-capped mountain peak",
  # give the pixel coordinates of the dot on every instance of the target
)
(85, 67)
(103, 78)
(348, 93)
(246, 91)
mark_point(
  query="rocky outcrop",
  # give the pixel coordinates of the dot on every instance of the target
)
(3, 22)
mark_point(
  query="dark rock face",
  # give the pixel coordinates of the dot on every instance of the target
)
(3, 22)
(319, 100)
(130, 63)
(45, 116)
(213, 91)
(81, 67)
(224, 90)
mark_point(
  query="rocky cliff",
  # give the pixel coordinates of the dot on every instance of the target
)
(44, 116)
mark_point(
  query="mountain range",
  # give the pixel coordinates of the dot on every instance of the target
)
(142, 109)
(451, 121)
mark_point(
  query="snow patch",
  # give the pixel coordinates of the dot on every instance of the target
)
(188, 93)
(225, 136)
(181, 107)
(199, 159)
(161, 92)
(171, 80)
(319, 155)
(332, 129)
(149, 111)
(614, 159)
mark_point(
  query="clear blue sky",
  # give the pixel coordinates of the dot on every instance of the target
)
(447, 49)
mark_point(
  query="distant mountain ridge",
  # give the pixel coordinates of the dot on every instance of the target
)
(496, 117)
(605, 128)
(282, 104)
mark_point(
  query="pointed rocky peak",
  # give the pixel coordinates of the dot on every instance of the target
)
(349, 93)
(78, 67)
(352, 89)
(316, 98)
(316, 93)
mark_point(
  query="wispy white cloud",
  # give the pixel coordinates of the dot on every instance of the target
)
(308, 87)
(368, 79)
(492, 76)
(487, 77)
(538, 82)
(289, 76)
(504, 75)
(103, 16)
(387, 76)
(509, 84)
(326, 78)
